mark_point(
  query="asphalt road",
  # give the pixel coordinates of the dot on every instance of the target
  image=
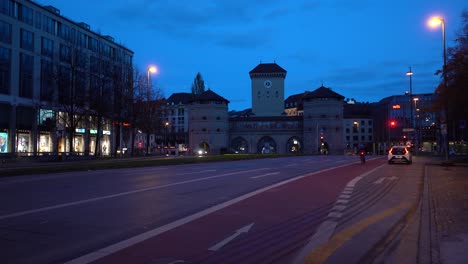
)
(60, 217)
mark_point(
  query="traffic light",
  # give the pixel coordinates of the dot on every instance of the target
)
(392, 123)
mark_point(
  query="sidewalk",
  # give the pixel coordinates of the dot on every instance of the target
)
(438, 231)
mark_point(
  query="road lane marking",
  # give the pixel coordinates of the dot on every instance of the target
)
(196, 172)
(342, 201)
(121, 194)
(379, 181)
(338, 207)
(264, 175)
(344, 196)
(325, 250)
(335, 215)
(225, 241)
(103, 252)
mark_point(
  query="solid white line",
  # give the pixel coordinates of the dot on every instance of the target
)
(121, 194)
(344, 196)
(93, 256)
(264, 175)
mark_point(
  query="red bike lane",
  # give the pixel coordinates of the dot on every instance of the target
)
(267, 227)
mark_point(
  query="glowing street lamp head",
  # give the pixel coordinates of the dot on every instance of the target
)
(152, 69)
(435, 22)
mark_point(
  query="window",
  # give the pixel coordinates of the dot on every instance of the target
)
(38, 20)
(370, 130)
(25, 14)
(49, 25)
(5, 32)
(93, 44)
(363, 138)
(204, 118)
(5, 70)
(347, 138)
(64, 31)
(370, 138)
(369, 122)
(27, 40)
(363, 130)
(347, 130)
(355, 138)
(6, 7)
(362, 122)
(26, 75)
(81, 41)
(47, 47)
(65, 54)
(46, 90)
(181, 111)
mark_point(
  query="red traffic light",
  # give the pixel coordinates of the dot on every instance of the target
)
(393, 123)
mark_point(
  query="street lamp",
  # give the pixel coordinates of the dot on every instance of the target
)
(151, 69)
(410, 74)
(435, 22)
(417, 124)
(165, 136)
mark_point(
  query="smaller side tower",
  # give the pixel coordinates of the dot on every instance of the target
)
(323, 121)
(208, 122)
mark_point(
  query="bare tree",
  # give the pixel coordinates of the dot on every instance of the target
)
(148, 108)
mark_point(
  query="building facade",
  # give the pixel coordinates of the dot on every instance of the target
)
(61, 84)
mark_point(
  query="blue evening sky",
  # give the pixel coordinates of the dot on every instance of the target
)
(359, 48)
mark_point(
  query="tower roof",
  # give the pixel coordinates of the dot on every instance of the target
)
(268, 68)
(323, 92)
(209, 95)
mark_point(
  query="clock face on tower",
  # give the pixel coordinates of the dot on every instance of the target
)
(267, 83)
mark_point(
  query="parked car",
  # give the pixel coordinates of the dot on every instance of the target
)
(399, 154)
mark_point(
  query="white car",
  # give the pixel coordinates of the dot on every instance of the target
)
(399, 154)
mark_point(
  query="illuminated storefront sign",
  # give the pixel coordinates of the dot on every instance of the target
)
(3, 142)
(80, 130)
(106, 132)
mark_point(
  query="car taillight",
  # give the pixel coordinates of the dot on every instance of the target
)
(406, 151)
(390, 151)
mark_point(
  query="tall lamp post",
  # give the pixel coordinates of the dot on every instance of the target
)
(435, 22)
(165, 136)
(410, 74)
(417, 126)
(151, 69)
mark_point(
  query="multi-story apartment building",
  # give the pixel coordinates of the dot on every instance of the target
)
(63, 87)
(358, 126)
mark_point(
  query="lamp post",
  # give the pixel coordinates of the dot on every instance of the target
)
(435, 22)
(416, 126)
(165, 136)
(410, 74)
(151, 69)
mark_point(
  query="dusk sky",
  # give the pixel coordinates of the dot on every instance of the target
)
(359, 48)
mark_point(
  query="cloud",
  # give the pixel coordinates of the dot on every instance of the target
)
(233, 24)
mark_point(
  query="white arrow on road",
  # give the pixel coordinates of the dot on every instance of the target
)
(225, 241)
(379, 181)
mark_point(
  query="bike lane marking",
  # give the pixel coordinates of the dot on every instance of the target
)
(110, 250)
(321, 253)
(327, 228)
